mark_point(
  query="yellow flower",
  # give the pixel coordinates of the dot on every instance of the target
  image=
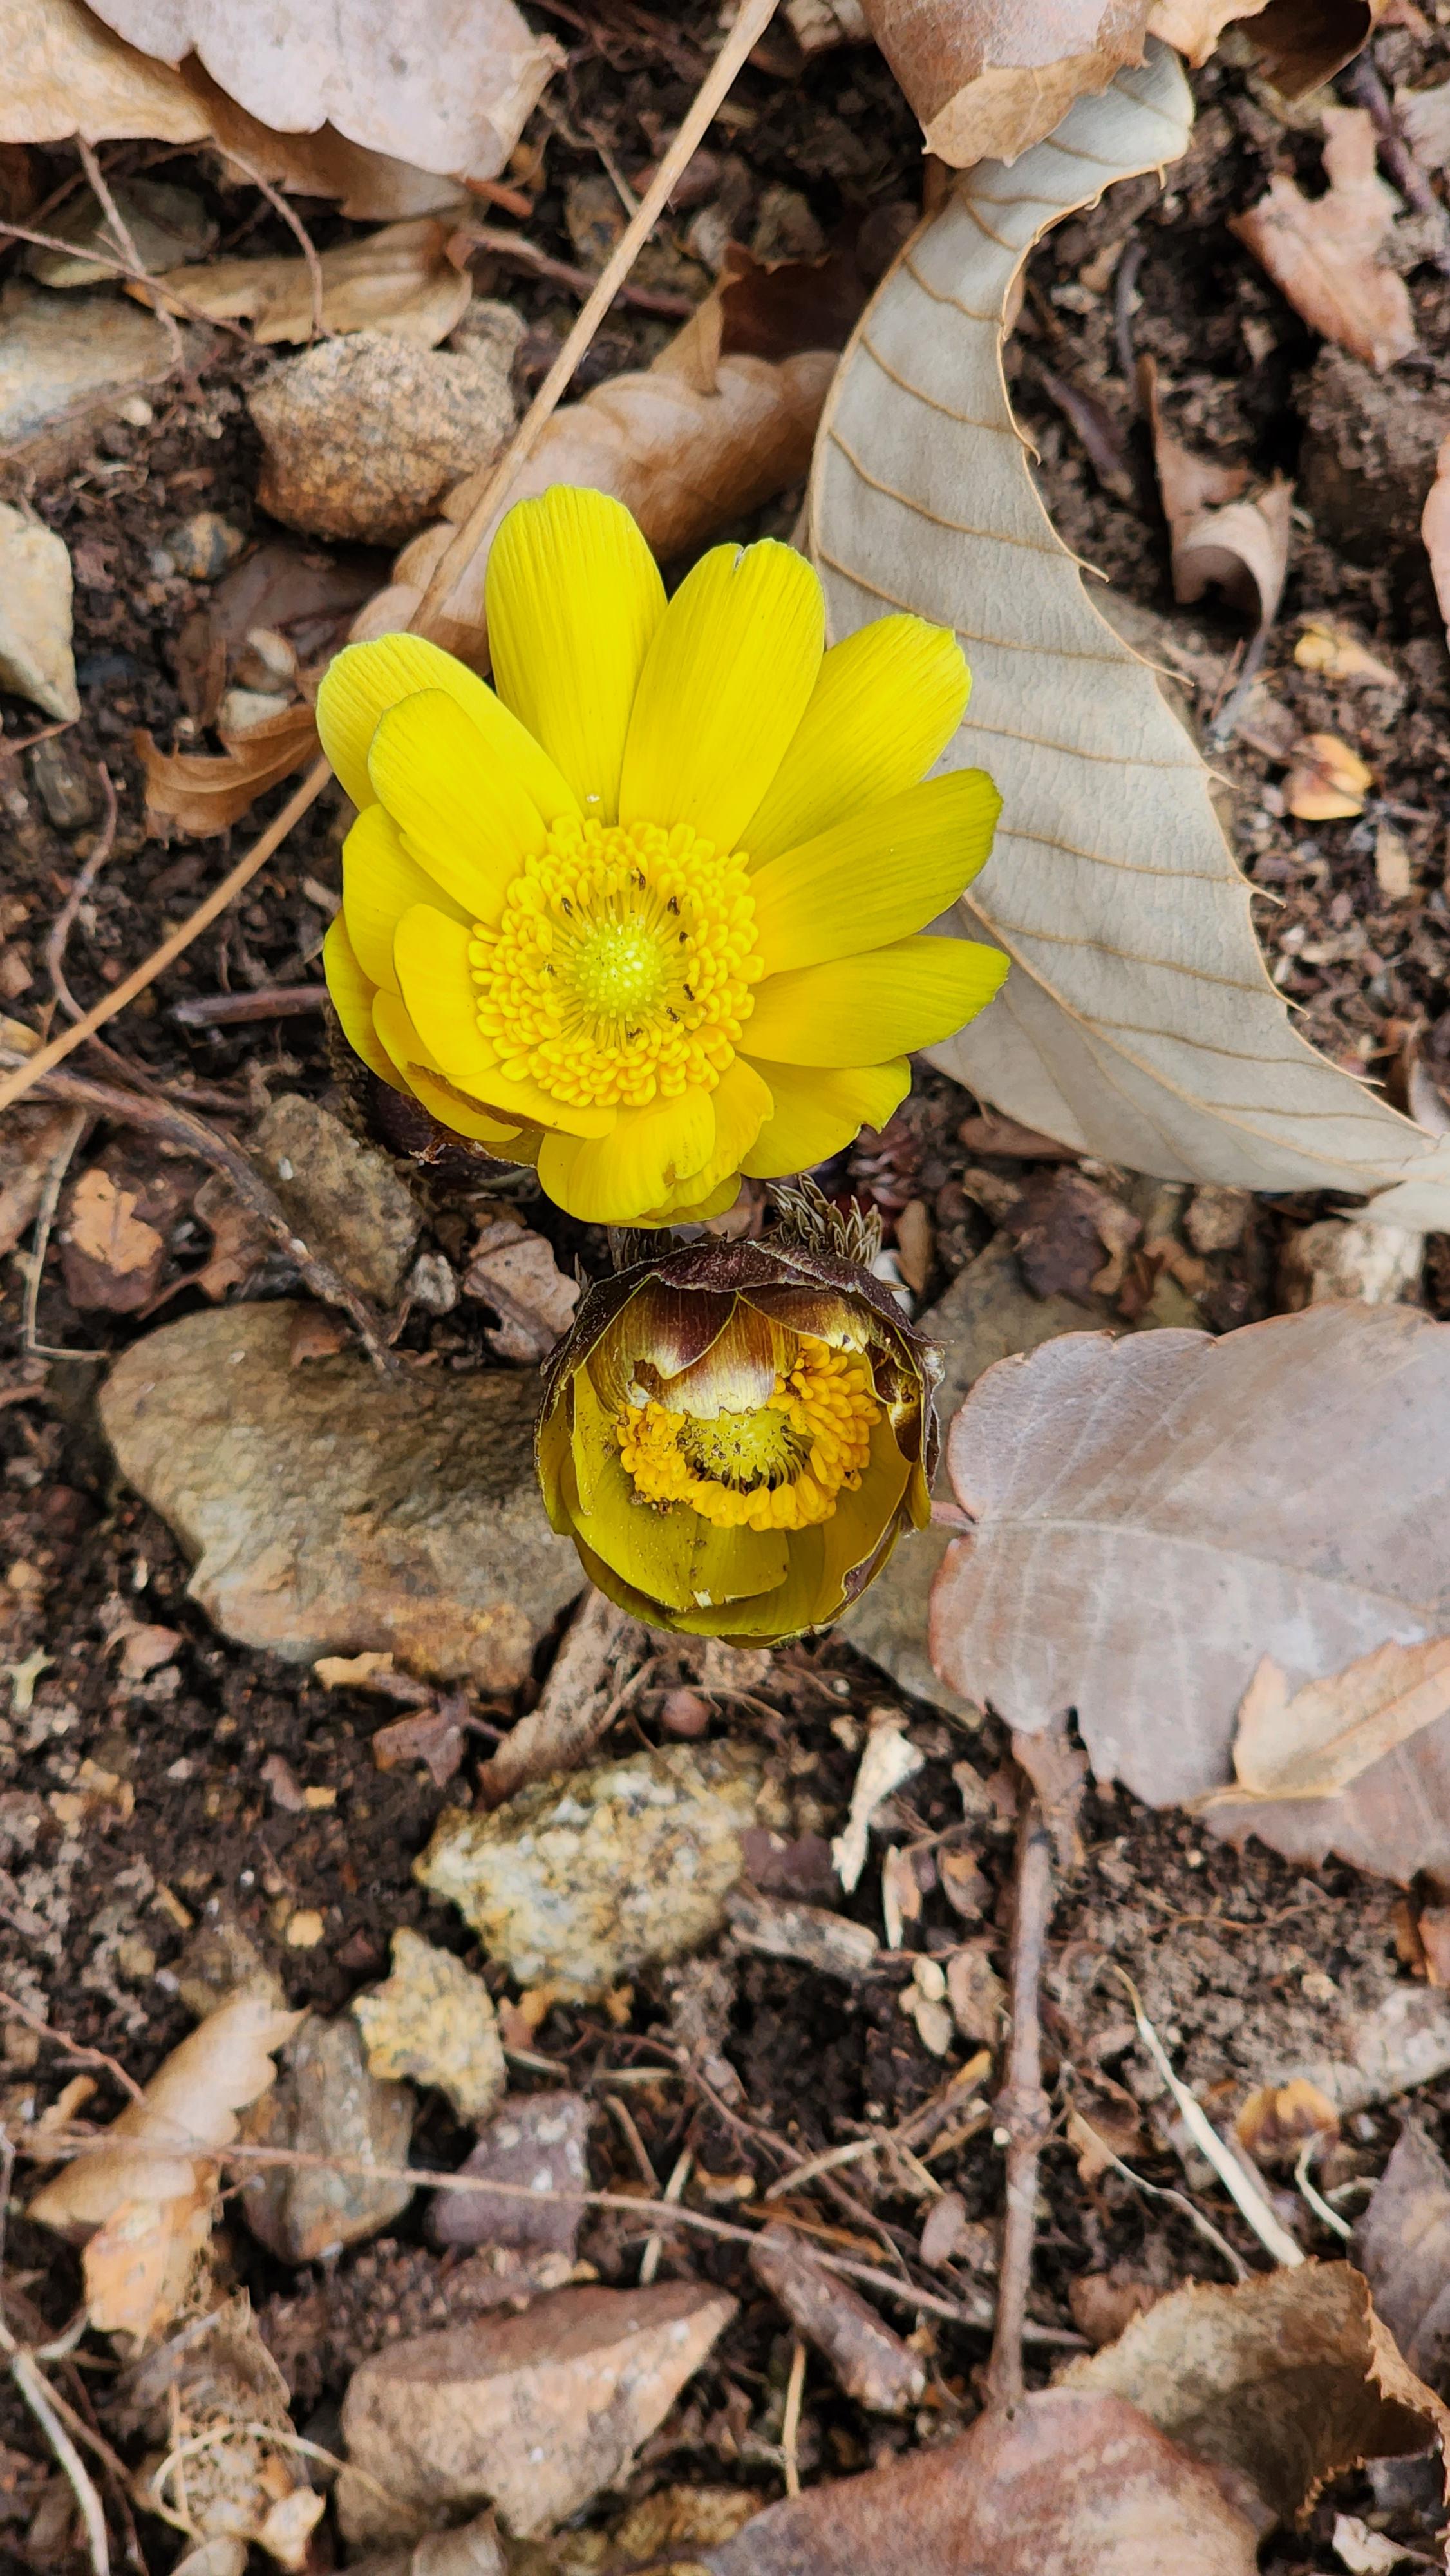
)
(644, 917)
(733, 1436)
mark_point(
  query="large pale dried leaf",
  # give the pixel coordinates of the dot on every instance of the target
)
(723, 419)
(1324, 252)
(1138, 1022)
(1435, 529)
(1313, 1742)
(1063, 2482)
(448, 87)
(534, 2413)
(399, 280)
(201, 792)
(188, 2111)
(66, 73)
(1281, 2382)
(1280, 1491)
(1402, 2246)
(985, 80)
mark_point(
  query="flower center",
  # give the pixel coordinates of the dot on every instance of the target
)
(782, 1466)
(620, 970)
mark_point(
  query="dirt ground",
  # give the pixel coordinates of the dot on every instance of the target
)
(1247, 1967)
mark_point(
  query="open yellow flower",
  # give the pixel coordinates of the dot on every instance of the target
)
(645, 915)
(734, 1435)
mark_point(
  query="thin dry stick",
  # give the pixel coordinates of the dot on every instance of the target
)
(74, 2048)
(755, 16)
(122, 235)
(1249, 2198)
(791, 2420)
(1022, 2106)
(60, 1163)
(23, 1077)
(118, 268)
(649, 2261)
(1175, 2199)
(296, 227)
(64, 921)
(34, 2387)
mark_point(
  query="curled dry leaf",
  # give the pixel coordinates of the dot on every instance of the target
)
(1323, 253)
(140, 2199)
(1402, 2245)
(451, 97)
(399, 280)
(723, 419)
(514, 1270)
(1219, 540)
(216, 2378)
(1280, 2383)
(1435, 529)
(1279, 1491)
(1060, 2481)
(202, 792)
(1138, 1023)
(1302, 43)
(889, 1759)
(1327, 782)
(988, 82)
(67, 73)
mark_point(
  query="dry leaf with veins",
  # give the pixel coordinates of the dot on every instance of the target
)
(1138, 1023)
(399, 281)
(200, 792)
(1281, 1491)
(1402, 2245)
(1312, 1742)
(1280, 2383)
(987, 80)
(1323, 253)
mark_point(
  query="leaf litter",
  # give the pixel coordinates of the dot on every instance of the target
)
(935, 1876)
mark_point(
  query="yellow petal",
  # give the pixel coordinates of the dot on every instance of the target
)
(364, 680)
(802, 1601)
(724, 685)
(574, 596)
(379, 884)
(856, 1525)
(673, 1556)
(680, 1209)
(817, 1113)
(890, 869)
(352, 999)
(553, 1453)
(463, 817)
(430, 952)
(413, 1058)
(885, 706)
(620, 1178)
(913, 994)
(742, 1104)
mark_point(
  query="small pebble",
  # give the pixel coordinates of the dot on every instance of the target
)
(203, 546)
(63, 782)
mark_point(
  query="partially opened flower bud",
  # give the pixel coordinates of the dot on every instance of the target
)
(734, 1435)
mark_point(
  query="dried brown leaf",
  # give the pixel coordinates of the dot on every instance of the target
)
(1402, 2245)
(1279, 1491)
(1061, 2482)
(1303, 43)
(452, 97)
(987, 82)
(433, 1736)
(1435, 529)
(216, 2376)
(399, 281)
(239, 1240)
(514, 1270)
(200, 793)
(1276, 2119)
(113, 1258)
(299, 592)
(1280, 2383)
(1323, 253)
(1330, 648)
(1218, 539)
(1138, 1022)
(724, 418)
(1314, 1741)
(1327, 782)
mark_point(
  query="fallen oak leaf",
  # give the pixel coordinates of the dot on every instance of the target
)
(201, 793)
(1139, 1023)
(1312, 1742)
(1327, 782)
(399, 280)
(1323, 252)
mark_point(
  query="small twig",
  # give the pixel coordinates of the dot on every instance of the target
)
(74, 2048)
(1175, 2199)
(14, 1084)
(791, 2420)
(649, 2261)
(624, 2120)
(39, 2397)
(1247, 2196)
(295, 226)
(1326, 2216)
(118, 268)
(518, 252)
(235, 1010)
(125, 243)
(1363, 84)
(64, 922)
(279, 2437)
(60, 1163)
(1023, 2111)
(750, 25)
(182, 1127)
(11, 743)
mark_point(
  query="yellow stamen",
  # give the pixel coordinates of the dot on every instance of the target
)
(621, 967)
(780, 1467)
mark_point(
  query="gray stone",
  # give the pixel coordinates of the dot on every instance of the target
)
(538, 2145)
(64, 358)
(35, 615)
(168, 226)
(365, 434)
(204, 545)
(326, 2103)
(987, 1314)
(332, 1513)
(64, 782)
(345, 1198)
(578, 1882)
